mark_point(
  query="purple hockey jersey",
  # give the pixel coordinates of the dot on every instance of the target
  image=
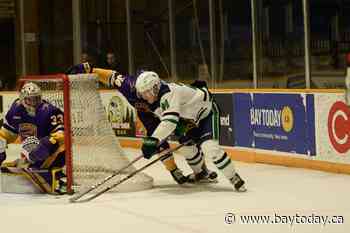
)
(48, 119)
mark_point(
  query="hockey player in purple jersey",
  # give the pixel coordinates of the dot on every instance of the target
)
(126, 85)
(39, 127)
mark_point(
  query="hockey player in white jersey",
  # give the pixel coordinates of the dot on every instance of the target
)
(176, 103)
(125, 84)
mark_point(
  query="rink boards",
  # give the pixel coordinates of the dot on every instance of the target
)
(309, 129)
(297, 128)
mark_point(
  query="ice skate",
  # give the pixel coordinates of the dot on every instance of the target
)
(238, 183)
(179, 176)
(205, 176)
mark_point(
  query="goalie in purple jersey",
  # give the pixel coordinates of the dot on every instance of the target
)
(126, 85)
(39, 127)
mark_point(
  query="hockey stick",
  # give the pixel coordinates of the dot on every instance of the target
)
(93, 187)
(162, 155)
(30, 174)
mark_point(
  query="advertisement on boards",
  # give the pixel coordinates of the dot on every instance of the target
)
(332, 127)
(120, 113)
(274, 121)
(225, 104)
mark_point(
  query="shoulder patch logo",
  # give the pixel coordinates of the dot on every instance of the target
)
(164, 105)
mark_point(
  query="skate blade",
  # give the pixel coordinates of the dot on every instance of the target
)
(242, 189)
(208, 181)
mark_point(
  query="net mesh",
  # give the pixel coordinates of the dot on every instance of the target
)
(96, 152)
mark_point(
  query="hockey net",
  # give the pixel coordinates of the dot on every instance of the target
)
(92, 149)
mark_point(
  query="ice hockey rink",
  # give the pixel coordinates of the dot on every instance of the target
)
(168, 208)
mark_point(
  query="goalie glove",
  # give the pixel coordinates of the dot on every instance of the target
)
(45, 148)
(149, 147)
(41, 151)
(28, 145)
(82, 68)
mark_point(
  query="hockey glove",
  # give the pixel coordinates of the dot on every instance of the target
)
(149, 147)
(82, 68)
(193, 135)
(183, 126)
(28, 145)
(43, 150)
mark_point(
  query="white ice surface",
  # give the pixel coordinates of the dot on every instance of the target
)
(169, 208)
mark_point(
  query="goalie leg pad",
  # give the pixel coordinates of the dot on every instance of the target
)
(27, 180)
(38, 178)
(14, 180)
(21, 180)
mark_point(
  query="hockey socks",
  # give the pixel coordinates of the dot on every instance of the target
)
(225, 165)
(194, 158)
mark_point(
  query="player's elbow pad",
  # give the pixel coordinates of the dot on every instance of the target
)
(43, 150)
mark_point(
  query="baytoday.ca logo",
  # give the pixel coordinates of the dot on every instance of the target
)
(273, 118)
(339, 126)
(287, 119)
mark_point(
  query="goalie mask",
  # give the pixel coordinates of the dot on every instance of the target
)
(147, 86)
(30, 97)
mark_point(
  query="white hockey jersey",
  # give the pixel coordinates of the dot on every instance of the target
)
(181, 101)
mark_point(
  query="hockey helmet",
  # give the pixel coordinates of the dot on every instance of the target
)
(30, 97)
(147, 82)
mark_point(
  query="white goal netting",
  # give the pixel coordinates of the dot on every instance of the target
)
(95, 150)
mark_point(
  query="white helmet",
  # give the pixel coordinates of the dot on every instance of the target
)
(148, 81)
(30, 97)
